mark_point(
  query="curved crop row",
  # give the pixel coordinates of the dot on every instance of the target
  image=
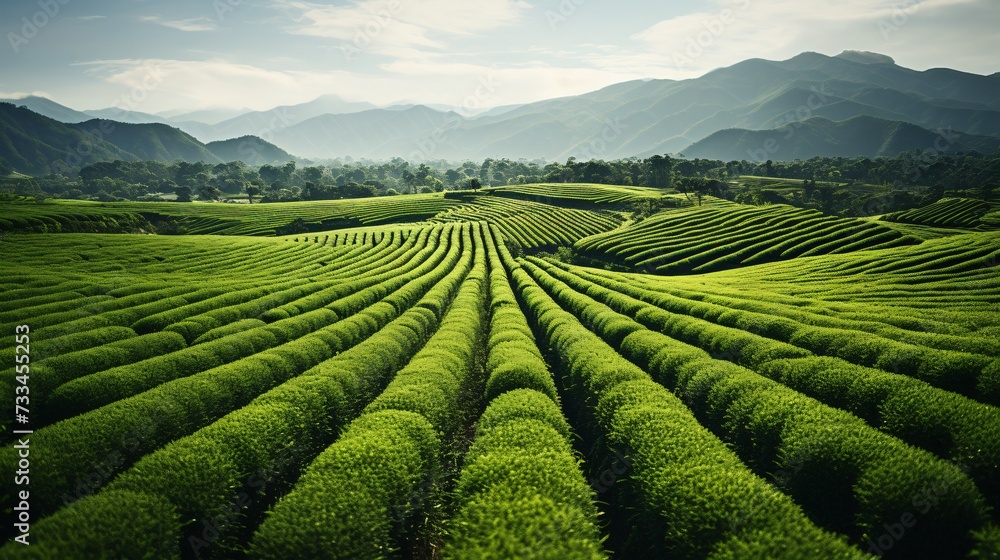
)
(697, 497)
(947, 212)
(690, 321)
(367, 478)
(521, 492)
(838, 468)
(950, 425)
(121, 432)
(703, 239)
(214, 478)
(532, 224)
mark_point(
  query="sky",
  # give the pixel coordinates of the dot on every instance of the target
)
(184, 55)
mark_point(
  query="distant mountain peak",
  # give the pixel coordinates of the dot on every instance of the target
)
(866, 57)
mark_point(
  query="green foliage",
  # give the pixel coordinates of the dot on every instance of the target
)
(835, 464)
(226, 330)
(668, 446)
(776, 411)
(152, 520)
(367, 477)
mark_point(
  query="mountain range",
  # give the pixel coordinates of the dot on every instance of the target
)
(852, 104)
(38, 145)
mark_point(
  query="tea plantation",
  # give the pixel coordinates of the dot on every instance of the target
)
(424, 380)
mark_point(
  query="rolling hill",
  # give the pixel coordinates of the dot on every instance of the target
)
(150, 142)
(251, 150)
(37, 145)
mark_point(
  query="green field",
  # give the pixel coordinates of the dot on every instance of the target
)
(409, 377)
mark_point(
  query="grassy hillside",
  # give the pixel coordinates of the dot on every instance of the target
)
(532, 224)
(577, 194)
(198, 218)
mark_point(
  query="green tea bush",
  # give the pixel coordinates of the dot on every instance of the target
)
(231, 328)
(692, 487)
(847, 475)
(148, 535)
(54, 372)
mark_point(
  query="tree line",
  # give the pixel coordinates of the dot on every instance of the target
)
(972, 174)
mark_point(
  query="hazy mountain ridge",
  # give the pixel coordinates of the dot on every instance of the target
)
(251, 150)
(859, 136)
(39, 145)
(636, 118)
(150, 142)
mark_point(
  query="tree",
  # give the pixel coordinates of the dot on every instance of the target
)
(661, 169)
(453, 176)
(298, 225)
(252, 191)
(473, 183)
(313, 174)
(987, 190)
(183, 193)
(208, 192)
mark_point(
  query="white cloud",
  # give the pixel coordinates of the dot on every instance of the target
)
(194, 24)
(403, 27)
(91, 18)
(157, 85)
(729, 31)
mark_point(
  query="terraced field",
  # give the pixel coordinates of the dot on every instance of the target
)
(577, 194)
(217, 218)
(723, 235)
(947, 212)
(417, 391)
(533, 224)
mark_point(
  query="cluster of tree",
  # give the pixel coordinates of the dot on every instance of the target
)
(960, 171)
(969, 174)
(841, 200)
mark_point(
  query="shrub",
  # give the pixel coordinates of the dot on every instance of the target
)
(152, 524)
(231, 328)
